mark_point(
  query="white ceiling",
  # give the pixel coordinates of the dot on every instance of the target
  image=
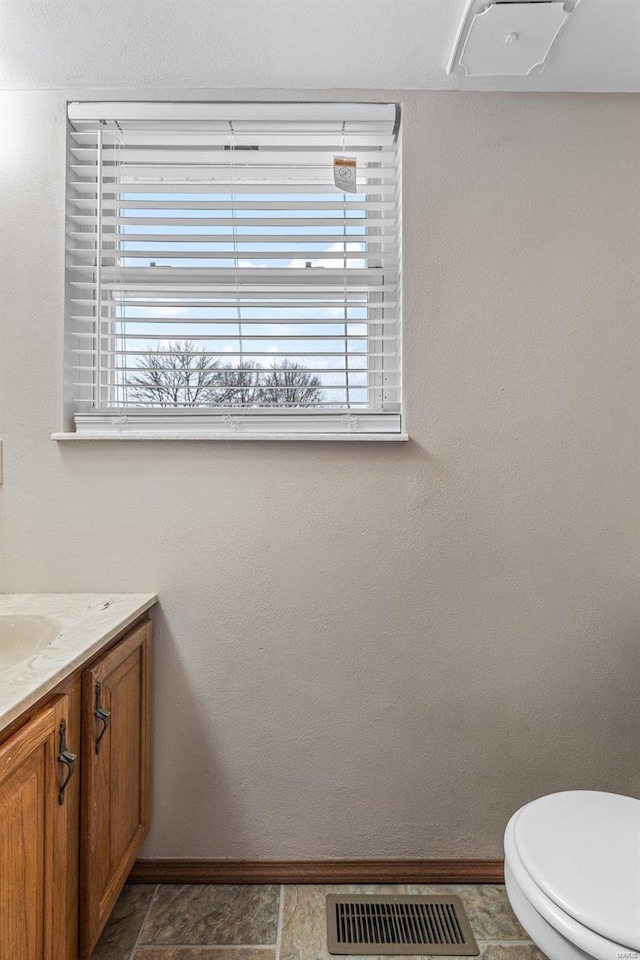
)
(393, 44)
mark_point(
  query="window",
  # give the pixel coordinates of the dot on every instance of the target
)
(220, 283)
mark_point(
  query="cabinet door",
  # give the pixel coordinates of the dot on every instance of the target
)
(33, 839)
(115, 776)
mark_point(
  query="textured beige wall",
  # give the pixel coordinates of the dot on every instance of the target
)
(377, 650)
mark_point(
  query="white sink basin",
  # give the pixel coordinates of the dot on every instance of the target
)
(24, 635)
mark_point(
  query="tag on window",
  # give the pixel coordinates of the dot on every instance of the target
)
(344, 174)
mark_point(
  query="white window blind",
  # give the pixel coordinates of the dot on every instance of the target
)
(219, 281)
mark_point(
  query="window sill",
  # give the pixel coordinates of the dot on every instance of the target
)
(137, 435)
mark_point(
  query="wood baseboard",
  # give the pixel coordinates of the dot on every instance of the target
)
(317, 871)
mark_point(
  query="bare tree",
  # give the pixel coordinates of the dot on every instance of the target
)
(289, 383)
(242, 385)
(182, 375)
(179, 375)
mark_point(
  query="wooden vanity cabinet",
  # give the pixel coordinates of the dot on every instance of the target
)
(37, 820)
(115, 776)
(65, 854)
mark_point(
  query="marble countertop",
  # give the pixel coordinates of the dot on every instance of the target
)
(87, 621)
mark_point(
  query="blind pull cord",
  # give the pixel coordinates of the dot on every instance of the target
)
(234, 228)
(343, 147)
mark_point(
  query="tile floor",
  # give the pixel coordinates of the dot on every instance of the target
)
(189, 922)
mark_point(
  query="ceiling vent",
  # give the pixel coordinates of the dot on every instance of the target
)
(507, 38)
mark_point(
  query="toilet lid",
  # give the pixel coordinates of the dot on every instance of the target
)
(582, 848)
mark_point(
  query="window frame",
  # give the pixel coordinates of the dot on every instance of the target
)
(214, 423)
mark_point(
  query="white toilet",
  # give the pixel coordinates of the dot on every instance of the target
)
(572, 870)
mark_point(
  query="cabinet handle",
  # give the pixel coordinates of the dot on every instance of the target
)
(103, 716)
(67, 758)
